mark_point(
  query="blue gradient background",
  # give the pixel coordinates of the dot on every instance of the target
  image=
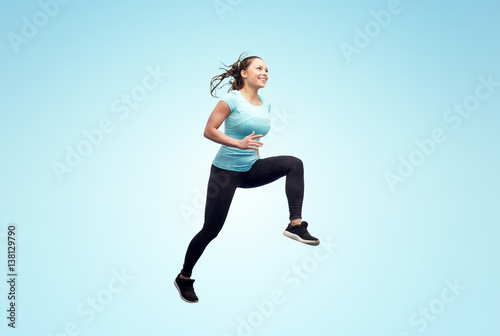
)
(137, 199)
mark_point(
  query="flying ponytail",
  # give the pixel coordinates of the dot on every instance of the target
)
(233, 71)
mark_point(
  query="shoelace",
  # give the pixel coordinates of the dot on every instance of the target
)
(301, 229)
(187, 285)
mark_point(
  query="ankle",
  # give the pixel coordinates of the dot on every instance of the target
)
(296, 221)
(183, 277)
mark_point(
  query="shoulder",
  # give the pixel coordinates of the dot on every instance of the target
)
(231, 95)
(265, 102)
(231, 98)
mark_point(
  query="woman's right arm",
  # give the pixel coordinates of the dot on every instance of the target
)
(219, 114)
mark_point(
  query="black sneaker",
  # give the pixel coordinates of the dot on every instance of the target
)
(186, 290)
(300, 233)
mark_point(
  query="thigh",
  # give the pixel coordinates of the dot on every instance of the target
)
(220, 191)
(267, 170)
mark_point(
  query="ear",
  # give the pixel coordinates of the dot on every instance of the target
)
(243, 74)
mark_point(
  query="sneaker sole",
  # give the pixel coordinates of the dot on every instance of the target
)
(297, 238)
(180, 294)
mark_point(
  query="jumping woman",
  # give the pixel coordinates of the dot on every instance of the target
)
(238, 163)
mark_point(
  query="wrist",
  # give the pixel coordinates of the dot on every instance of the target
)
(237, 143)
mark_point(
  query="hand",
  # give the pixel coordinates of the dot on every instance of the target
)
(249, 142)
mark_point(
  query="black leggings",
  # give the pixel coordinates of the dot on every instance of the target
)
(220, 191)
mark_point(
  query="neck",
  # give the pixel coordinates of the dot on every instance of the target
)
(249, 92)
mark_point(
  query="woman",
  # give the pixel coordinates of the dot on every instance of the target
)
(238, 164)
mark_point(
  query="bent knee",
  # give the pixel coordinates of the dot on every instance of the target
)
(296, 163)
(208, 234)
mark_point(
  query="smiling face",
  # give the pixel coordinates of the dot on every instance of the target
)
(256, 74)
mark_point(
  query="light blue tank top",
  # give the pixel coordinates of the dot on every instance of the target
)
(243, 119)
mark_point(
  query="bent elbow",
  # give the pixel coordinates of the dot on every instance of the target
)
(207, 133)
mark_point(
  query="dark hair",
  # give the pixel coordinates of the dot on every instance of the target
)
(234, 71)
